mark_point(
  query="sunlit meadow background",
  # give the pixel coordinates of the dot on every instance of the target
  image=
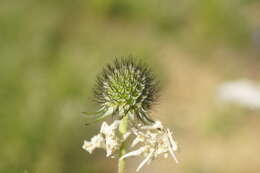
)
(52, 50)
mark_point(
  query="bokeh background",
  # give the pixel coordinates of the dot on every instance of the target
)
(52, 50)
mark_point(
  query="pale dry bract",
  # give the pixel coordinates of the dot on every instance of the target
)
(149, 141)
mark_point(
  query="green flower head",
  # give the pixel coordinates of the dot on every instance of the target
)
(126, 88)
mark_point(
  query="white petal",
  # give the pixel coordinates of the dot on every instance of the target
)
(134, 153)
(145, 161)
(136, 141)
(171, 151)
(104, 127)
(173, 143)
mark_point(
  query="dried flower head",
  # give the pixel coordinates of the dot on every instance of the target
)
(152, 141)
(126, 88)
(149, 141)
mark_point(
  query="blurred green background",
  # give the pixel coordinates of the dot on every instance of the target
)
(52, 50)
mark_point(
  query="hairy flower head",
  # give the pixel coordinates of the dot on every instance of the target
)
(126, 88)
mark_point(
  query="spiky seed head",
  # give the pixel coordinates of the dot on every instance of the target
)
(126, 88)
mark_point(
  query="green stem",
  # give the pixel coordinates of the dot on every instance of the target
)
(122, 130)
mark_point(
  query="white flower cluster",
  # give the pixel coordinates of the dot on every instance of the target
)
(149, 141)
(243, 92)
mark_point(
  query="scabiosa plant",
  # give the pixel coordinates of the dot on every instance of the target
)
(127, 90)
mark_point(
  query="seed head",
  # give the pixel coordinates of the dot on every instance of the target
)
(126, 88)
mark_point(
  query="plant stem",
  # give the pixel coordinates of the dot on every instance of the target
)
(122, 130)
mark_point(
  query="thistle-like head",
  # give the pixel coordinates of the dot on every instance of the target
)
(126, 88)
